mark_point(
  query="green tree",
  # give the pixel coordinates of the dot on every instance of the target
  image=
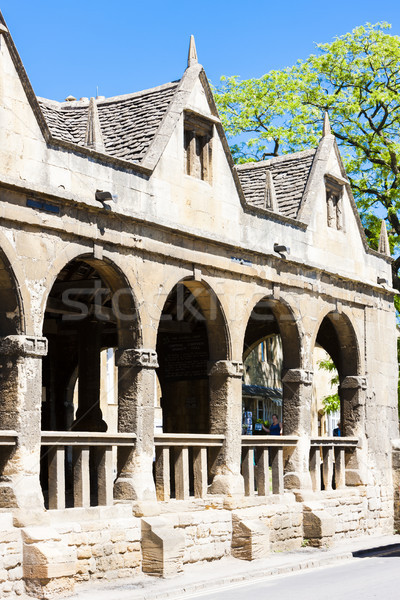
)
(330, 403)
(356, 79)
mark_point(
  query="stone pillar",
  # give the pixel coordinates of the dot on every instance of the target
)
(352, 393)
(297, 392)
(89, 416)
(136, 393)
(20, 410)
(225, 379)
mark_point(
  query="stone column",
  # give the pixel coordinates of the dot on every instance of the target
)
(20, 410)
(225, 379)
(136, 393)
(352, 392)
(297, 393)
(89, 416)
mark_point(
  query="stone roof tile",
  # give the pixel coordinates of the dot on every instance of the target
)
(128, 123)
(289, 175)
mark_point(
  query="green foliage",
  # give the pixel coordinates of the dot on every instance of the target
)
(330, 403)
(356, 78)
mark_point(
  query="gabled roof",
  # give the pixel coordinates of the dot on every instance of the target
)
(289, 173)
(128, 123)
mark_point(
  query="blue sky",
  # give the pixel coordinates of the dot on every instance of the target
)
(124, 46)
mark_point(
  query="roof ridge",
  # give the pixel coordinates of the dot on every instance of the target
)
(84, 103)
(275, 159)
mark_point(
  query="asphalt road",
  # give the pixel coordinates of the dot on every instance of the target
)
(358, 579)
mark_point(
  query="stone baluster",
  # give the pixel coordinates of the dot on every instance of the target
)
(327, 467)
(181, 472)
(20, 410)
(57, 477)
(340, 468)
(248, 470)
(105, 475)
(200, 473)
(136, 393)
(262, 472)
(315, 468)
(81, 473)
(163, 482)
(277, 470)
(225, 379)
(297, 392)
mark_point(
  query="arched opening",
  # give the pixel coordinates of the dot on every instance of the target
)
(191, 333)
(325, 403)
(337, 337)
(90, 312)
(271, 347)
(262, 384)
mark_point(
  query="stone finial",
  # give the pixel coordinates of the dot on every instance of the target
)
(192, 55)
(270, 196)
(326, 128)
(383, 246)
(94, 137)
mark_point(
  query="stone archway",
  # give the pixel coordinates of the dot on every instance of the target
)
(192, 334)
(336, 335)
(275, 317)
(90, 307)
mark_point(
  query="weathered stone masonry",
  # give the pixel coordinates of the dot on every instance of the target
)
(124, 224)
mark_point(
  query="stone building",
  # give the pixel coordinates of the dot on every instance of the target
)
(124, 224)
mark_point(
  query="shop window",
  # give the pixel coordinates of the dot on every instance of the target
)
(198, 150)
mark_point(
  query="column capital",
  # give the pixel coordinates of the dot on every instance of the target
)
(304, 376)
(355, 382)
(23, 345)
(231, 368)
(140, 358)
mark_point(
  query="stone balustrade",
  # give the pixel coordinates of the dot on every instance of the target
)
(330, 452)
(89, 458)
(183, 464)
(259, 453)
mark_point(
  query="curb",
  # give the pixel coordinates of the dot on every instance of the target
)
(311, 563)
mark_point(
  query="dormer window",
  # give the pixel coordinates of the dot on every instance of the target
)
(334, 202)
(197, 143)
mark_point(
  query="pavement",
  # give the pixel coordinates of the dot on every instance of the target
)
(207, 577)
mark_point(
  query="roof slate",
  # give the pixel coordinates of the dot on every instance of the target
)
(289, 175)
(128, 123)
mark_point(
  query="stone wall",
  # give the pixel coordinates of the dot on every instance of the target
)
(208, 534)
(106, 540)
(363, 510)
(284, 518)
(11, 582)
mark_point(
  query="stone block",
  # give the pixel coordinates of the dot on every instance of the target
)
(162, 547)
(317, 523)
(250, 538)
(48, 558)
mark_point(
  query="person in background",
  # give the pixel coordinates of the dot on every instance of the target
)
(336, 431)
(275, 428)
